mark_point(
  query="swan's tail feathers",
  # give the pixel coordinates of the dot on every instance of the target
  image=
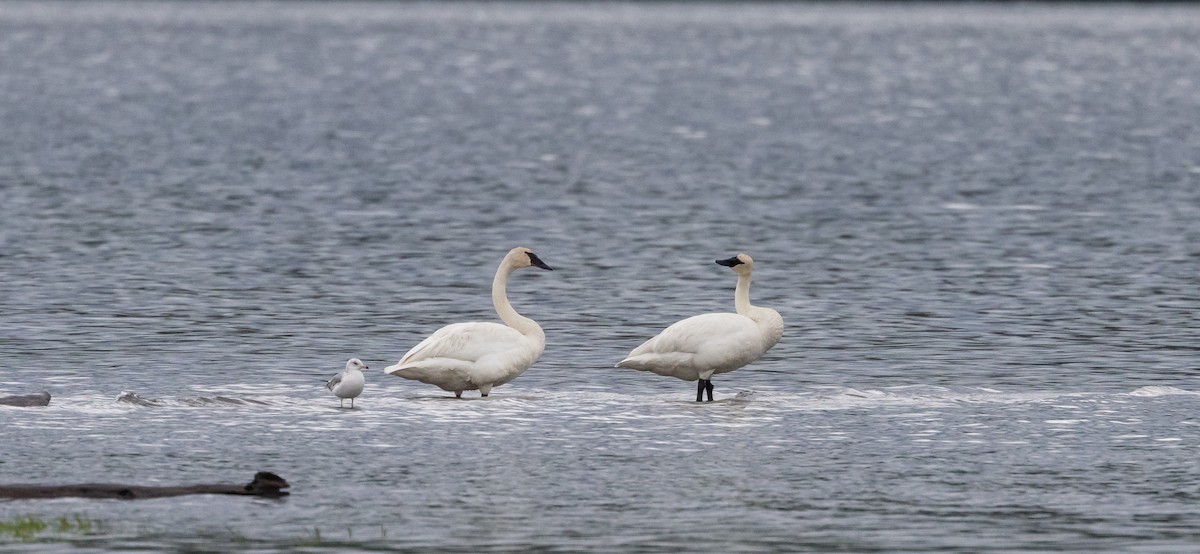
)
(641, 363)
(673, 364)
(393, 369)
(633, 362)
(654, 362)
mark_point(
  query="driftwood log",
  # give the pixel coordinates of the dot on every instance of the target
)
(26, 400)
(264, 484)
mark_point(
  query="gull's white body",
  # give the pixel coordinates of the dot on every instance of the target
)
(349, 382)
(700, 346)
(478, 355)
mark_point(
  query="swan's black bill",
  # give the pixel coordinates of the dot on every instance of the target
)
(537, 262)
(730, 262)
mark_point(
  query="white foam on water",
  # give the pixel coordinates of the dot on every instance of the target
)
(1159, 390)
(525, 405)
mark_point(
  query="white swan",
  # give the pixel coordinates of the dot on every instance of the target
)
(349, 382)
(706, 344)
(479, 355)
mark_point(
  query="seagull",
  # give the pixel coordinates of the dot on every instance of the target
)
(349, 382)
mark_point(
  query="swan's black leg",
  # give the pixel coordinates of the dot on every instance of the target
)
(458, 394)
(708, 386)
(700, 390)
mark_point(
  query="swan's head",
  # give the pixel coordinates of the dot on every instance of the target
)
(356, 363)
(523, 257)
(741, 264)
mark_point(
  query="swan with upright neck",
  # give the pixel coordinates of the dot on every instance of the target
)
(479, 355)
(701, 346)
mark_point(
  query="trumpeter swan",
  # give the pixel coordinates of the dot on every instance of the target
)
(348, 383)
(703, 345)
(477, 354)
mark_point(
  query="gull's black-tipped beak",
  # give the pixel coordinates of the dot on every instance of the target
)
(535, 261)
(730, 262)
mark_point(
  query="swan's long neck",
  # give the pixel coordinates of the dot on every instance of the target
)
(769, 321)
(504, 308)
(741, 295)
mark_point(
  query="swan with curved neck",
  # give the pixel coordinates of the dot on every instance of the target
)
(479, 355)
(701, 346)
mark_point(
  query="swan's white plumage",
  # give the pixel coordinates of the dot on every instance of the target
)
(462, 356)
(700, 346)
(479, 355)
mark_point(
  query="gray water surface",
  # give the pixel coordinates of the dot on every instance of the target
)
(978, 222)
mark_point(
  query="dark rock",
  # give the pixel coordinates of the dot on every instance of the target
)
(26, 400)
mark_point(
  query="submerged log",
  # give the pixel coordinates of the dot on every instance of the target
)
(26, 400)
(264, 484)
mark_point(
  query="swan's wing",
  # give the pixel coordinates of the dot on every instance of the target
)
(700, 333)
(447, 373)
(453, 358)
(467, 342)
(719, 342)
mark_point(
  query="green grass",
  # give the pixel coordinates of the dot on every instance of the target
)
(28, 528)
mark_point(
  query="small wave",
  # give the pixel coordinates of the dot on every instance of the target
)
(965, 206)
(221, 401)
(129, 397)
(835, 398)
(1159, 390)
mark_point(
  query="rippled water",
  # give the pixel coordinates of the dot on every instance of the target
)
(979, 224)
